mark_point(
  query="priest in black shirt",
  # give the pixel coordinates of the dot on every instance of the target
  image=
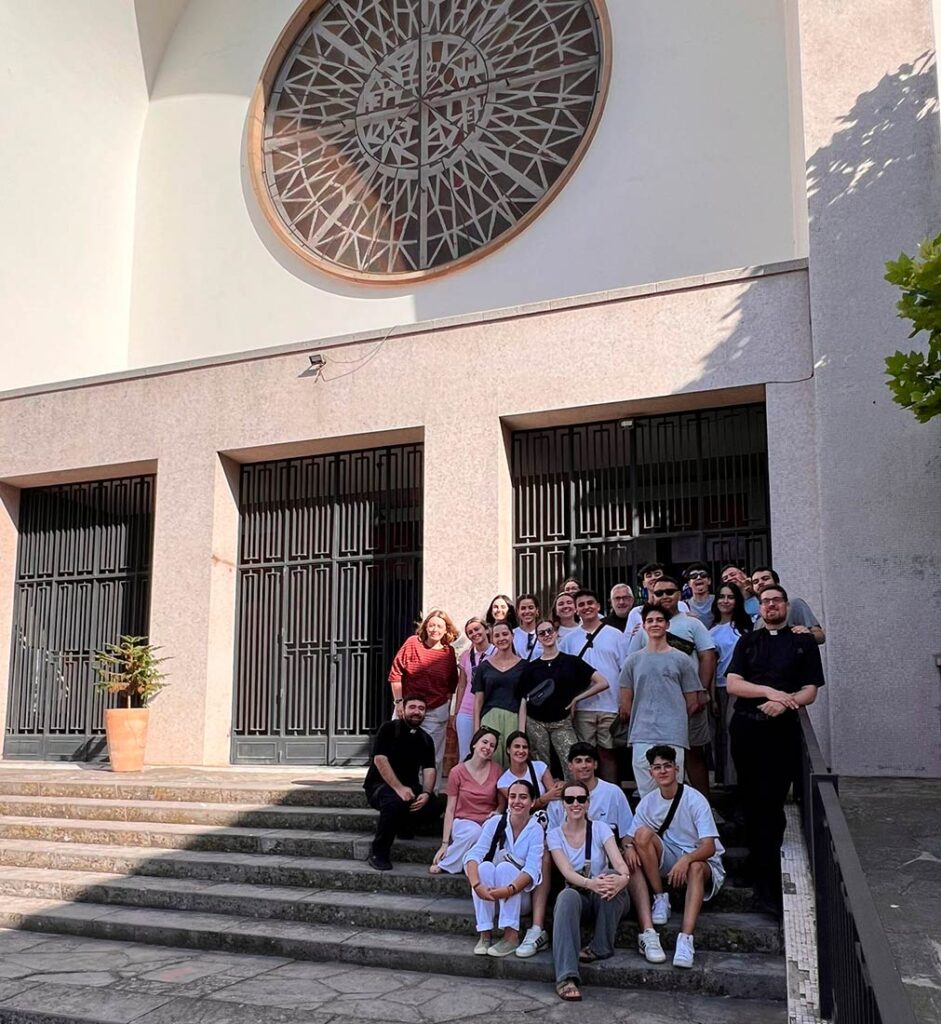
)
(400, 782)
(773, 672)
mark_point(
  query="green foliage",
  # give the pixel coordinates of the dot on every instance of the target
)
(131, 669)
(915, 377)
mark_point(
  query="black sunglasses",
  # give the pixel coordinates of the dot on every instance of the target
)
(697, 574)
(666, 593)
(545, 632)
(575, 799)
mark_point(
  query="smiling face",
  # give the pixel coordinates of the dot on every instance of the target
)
(761, 579)
(499, 609)
(518, 800)
(622, 600)
(651, 577)
(527, 611)
(571, 587)
(546, 634)
(435, 628)
(732, 574)
(663, 771)
(501, 636)
(699, 582)
(726, 600)
(413, 712)
(583, 768)
(565, 609)
(588, 610)
(773, 608)
(519, 751)
(667, 594)
(485, 746)
(575, 801)
(477, 634)
(655, 624)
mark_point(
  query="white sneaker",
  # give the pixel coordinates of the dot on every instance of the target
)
(661, 908)
(533, 942)
(648, 942)
(683, 957)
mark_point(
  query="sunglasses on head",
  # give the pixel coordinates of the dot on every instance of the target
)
(665, 593)
(580, 799)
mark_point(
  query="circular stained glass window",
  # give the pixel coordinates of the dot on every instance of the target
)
(393, 140)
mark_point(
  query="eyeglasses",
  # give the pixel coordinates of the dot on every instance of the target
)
(662, 767)
(545, 632)
(772, 600)
(666, 593)
(582, 799)
(697, 574)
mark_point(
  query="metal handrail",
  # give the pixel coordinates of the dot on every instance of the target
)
(858, 977)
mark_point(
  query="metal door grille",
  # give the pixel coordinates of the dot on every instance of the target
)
(329, 585)
(82, 580)
(599, 500)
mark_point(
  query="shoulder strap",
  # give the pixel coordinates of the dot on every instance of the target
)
(590, 640)
(499, 837)
(530, 646)
(671, 813)
(532, 778)
(588, 845)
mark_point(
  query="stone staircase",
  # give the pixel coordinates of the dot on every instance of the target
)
(279, 870)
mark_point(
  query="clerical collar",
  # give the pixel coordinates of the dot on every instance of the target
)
(774, 632)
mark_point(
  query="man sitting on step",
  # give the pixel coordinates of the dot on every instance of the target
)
(674, 838)
(400, 782)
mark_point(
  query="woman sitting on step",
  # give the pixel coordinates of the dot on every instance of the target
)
(472, 798)
(503, 868)
(596, 877)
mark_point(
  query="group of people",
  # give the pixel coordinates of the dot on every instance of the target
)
(543, 705)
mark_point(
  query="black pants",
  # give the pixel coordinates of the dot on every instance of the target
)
(766, 755)
(395, 816)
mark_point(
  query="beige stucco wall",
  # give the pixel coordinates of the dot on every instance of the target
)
(689, 173)
(454, 386)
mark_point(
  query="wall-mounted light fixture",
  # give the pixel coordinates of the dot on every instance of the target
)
(316, 364)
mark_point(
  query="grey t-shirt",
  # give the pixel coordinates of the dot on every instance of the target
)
(703, 610)
(798, 614)
(659, 680)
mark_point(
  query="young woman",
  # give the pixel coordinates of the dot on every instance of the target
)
(587, 856)
(524, 636)
(503, 868)
(547, 717)
(479, 635)
(425, 666)
(570, 585)
(472, 797)
(496, 703)
(501, 610)
(563, 615)
(732, 623)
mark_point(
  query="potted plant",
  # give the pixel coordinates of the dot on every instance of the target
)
(132, 670)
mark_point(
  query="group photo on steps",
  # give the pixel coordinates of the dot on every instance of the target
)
(570, 752)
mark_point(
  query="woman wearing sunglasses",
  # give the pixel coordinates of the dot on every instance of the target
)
(503, 868)
(550, 689)
(596, 878)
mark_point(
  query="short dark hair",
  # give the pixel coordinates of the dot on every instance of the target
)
(732, 565)
(774, 586)
(697, 567)
(649, 567)
(668, 579)
(409, 697)
(518, 735)
(767, 568)
(668, 753)
(582, 749)
(648, 607)
(585, 592)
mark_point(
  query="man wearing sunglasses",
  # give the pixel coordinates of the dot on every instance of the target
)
(773, 672)
(648, 576)
(700, 583)
(689, 635)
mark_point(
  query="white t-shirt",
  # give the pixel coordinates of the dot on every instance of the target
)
(606, 803)
(606, 655)
(600, 834)
(693, 822)
(508, 778)
(526, 849)
(635, 622)
(524, 643)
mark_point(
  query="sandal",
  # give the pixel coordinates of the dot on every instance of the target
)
(568, 991)
(587, 956)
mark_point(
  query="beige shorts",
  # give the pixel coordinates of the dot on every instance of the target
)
(597, 728)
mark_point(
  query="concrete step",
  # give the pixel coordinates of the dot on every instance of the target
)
(726, 932)
(127, 853)
(178, 812)
(740, 975)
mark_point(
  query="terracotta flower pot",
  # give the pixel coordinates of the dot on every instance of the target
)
(126, 731)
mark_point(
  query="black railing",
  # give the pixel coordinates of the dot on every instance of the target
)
(859, 982)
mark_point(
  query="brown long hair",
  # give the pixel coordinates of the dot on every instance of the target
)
(450, 630)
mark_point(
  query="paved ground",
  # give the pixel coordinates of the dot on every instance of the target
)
(53, 979)
(896, 825)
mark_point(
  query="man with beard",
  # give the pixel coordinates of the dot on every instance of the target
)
(400, 783)
(773, 672)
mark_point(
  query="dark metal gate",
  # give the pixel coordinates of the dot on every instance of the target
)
(329, 586)
(82, 580)
(599, 500)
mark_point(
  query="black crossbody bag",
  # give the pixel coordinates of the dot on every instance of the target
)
(671, 813)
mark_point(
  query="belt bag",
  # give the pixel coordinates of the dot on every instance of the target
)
(540, 694)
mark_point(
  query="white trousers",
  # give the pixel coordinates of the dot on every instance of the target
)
(642, 776)
(465, 730)
(464, 834)
(510, 910)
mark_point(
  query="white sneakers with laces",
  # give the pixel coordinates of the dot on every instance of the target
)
(683, 956)
(661, 908)
(648, 943)
(533, 942)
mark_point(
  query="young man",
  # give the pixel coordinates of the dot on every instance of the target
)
(690, 636)
(686, 853)
(659, 691)
(773, 672)
(621, 599)
(648, 577)
(732, 573)
(608, 803)
(400, 783)
(800, 618)
(603, 647)
(700, 583)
